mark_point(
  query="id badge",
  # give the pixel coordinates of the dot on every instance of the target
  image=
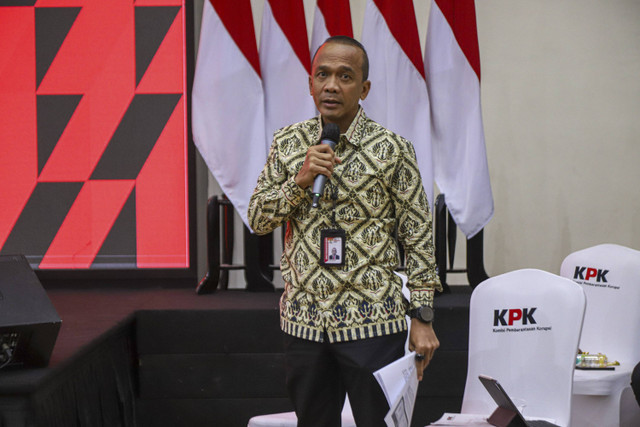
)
(332, 247)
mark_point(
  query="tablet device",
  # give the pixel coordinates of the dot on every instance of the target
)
(507, 414)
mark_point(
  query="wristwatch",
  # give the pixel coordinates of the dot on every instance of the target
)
(424, 314)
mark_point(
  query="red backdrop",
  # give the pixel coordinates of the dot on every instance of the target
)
(93, 139)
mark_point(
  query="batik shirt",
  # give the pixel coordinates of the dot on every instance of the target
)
(378, 193)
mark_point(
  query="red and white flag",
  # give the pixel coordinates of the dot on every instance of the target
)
(228, 101)
(398, 98)
(285, 64)
(452, 61)
(331, 18)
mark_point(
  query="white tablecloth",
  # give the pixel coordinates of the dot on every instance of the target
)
(604, 398)
(602, 382)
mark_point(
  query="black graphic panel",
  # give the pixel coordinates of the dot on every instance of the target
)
(152, 24)
(41, 218)
(135, 137)
(54, 112)
(52, 26)
(119, 247)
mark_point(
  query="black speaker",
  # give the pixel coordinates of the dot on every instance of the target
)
(29, 324)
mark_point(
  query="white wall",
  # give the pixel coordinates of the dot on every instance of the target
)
(561, 108)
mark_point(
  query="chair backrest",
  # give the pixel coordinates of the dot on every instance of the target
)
(524, 328)
(610, 277)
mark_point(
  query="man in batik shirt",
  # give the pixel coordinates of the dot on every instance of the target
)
(344, 320)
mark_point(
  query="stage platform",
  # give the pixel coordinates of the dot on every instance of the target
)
(169, 357)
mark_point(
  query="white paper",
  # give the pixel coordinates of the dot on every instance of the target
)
(399, 383)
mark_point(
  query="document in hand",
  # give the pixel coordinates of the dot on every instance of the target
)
(399, 383)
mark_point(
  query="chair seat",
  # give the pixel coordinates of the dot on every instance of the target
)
(288, 419)
(597, 383)
(282, 419)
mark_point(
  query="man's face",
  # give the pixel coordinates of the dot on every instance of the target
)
(336, 83)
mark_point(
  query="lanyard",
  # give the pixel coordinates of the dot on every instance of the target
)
(334, 200)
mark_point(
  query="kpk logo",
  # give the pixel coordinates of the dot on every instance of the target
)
(586, 273)
(516, 320)
(593, 277)
(524, 315)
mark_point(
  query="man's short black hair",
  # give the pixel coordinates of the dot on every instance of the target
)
(352, 42)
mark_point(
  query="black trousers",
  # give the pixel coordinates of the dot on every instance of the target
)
(319, 375)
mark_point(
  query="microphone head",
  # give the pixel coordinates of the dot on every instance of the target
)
(330, 131)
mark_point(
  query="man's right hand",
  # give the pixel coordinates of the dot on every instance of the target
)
(320, 160)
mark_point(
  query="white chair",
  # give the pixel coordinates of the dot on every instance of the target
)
(524, 328)
(289, 419)
(610, 277)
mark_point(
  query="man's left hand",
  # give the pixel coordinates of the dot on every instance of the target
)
(422, 340)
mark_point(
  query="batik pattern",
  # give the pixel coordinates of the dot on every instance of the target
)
(378, 189)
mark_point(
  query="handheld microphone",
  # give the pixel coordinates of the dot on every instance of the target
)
(330, 136)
